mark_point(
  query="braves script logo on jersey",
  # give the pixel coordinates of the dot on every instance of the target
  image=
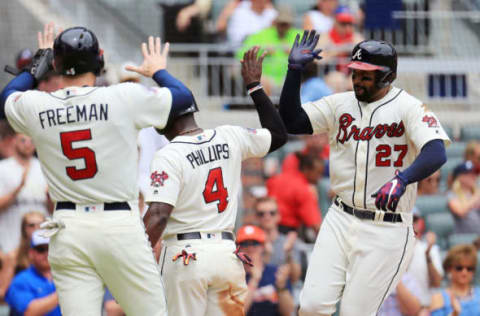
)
(158, 179)
(430, 120)
(346, 130)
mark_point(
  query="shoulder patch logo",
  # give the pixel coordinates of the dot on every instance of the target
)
(430, 120)
(158, 179)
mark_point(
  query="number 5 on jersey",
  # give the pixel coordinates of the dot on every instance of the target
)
(215, 190)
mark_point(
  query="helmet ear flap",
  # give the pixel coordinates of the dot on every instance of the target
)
(385, 78)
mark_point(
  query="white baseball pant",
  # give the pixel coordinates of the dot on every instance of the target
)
(356, 261)
(99, 248)
(212, 285)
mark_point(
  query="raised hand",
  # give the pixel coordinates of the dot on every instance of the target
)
(154, 57)
(45, 39)
(303, 51)
(252, 66)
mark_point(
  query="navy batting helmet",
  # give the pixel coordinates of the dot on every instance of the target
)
(376, 55)
(76, 51)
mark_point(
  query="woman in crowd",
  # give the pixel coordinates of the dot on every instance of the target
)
(30, 222)
(460, 297)
(464, 199)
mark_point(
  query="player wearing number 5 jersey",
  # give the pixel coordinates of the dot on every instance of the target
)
(195, 183)
(86, 139)
(382, 141)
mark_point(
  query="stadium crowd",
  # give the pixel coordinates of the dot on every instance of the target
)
(285, 195)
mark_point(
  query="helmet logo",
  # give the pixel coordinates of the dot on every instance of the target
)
(70, 72)
(357, 55)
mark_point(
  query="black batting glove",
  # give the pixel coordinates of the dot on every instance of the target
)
(303, 51)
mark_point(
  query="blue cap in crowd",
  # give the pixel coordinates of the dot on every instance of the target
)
(464, 167)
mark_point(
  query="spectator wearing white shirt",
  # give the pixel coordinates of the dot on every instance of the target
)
(247, 18)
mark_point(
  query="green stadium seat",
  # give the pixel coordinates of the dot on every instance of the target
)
(429, 204)
(441, 224)
(324, 201)
(457, 239)
(470, 133)
(448, 130)
(456, 150)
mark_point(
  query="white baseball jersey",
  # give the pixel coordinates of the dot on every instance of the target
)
(200, 176)
(368, 142)
(86, 137)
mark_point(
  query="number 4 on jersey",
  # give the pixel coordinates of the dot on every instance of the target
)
(215, 190)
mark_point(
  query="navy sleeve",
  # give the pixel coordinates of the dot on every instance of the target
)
(431, 158)
(293, 115)
(22, 82)
(182, 97)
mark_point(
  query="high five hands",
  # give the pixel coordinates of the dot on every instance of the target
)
(303, 51)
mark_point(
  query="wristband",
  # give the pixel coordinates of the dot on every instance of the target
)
(252, 90)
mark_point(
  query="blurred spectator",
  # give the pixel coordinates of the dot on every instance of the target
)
(276, 40)
(30, 222)
(429, 185)
(321, 17)
(426, 264)
(464, 199)
(296, 194)
(224, 16)
(340, 40)
(111, 307)
(185, 21)
(460, 297)
(282, 249)
(316, 145)
(199, 8)
(249, 17)
(23, 59)
(472, 153)
(22, 188)
(338, 81)
(32, 291)
(313, 86)
(403, 300)
(7, 140)
(268, 286)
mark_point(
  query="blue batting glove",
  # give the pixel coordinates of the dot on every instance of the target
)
(303, 51)
(390, 193)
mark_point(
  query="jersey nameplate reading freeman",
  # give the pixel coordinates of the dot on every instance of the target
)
(72, 114)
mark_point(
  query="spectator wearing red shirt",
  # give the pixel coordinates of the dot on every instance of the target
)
(316, 145)
(296, 194)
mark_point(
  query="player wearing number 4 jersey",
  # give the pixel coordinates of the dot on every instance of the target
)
(382, 141)
(195, 183)
(86, 139)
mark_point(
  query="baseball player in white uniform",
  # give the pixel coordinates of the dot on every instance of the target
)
(382, 141)
(195, 183)
(86, 140)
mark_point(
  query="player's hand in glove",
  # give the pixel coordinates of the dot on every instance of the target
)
(186, 257)
(243, 257)
(390, 193)
(154, 58)
(303, 51)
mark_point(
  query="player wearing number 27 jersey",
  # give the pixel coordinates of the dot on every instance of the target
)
(86, 139)
(195, 185)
